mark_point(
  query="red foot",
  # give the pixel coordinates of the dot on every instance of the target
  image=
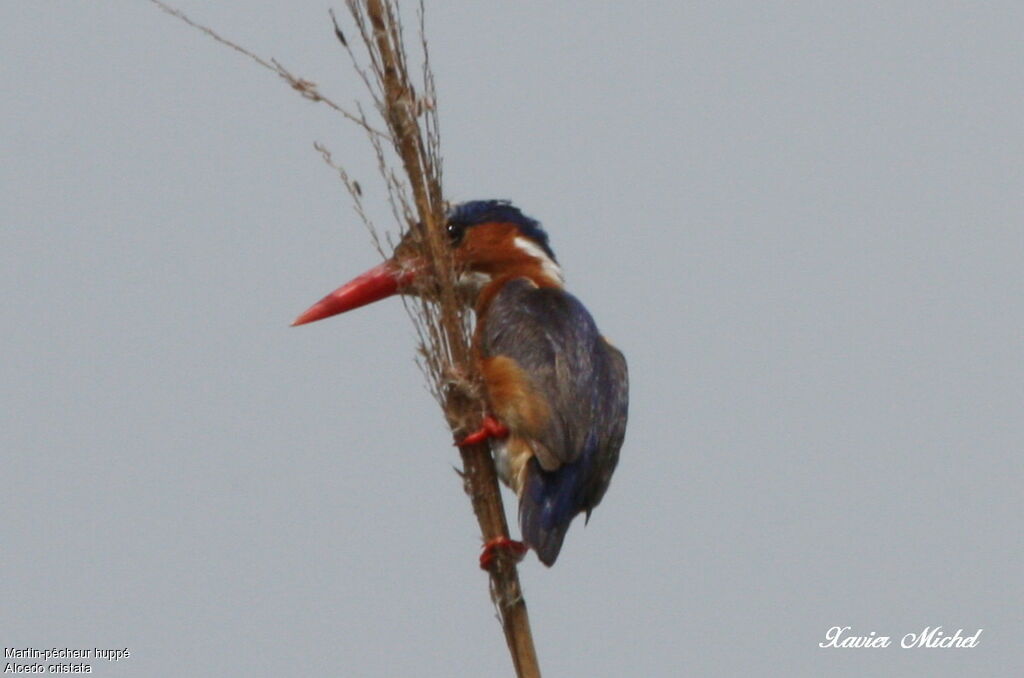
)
(515, 549)
(490, 428)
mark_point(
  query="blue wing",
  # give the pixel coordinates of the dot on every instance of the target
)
(583, 378)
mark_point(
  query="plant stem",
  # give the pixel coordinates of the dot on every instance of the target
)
(479, 474)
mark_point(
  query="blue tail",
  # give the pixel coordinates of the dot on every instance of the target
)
(550, 501)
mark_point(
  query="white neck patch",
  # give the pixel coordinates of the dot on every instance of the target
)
(473, 281)
(547, 265)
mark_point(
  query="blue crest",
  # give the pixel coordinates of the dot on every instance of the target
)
(476, 212)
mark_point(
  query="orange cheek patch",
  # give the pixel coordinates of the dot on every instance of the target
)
(512, 397)
(488, 246)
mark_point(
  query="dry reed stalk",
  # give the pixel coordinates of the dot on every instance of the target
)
(441, 320)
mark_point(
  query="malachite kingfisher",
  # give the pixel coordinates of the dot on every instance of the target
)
(556, 389)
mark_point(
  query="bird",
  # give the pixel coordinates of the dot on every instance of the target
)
(556, 390)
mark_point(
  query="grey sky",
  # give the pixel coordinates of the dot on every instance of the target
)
(801, 223)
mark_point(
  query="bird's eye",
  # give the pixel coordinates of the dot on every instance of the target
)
(455, 233)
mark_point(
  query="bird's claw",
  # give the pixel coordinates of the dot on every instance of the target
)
(489, 428)
(515, 550)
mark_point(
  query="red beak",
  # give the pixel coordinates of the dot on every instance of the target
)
(376, 284)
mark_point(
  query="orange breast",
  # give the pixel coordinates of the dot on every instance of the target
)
(512, 397)
(516, 404)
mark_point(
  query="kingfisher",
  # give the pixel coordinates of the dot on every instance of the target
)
(556, 390)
